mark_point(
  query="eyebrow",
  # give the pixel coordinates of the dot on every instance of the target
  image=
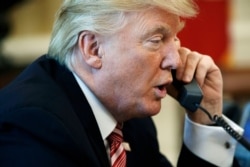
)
(165, 30)
(159, 29)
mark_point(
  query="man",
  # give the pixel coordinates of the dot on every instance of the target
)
(110, 62)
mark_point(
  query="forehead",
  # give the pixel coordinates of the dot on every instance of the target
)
(154, 20)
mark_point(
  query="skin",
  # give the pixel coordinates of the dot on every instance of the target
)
(130, 71)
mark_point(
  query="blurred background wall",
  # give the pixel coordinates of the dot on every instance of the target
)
(30, 27)
(221, 30)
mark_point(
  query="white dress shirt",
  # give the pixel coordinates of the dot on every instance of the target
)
(210, 143)
(106, 122)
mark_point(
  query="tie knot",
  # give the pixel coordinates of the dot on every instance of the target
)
(116, 135)
(117, 152)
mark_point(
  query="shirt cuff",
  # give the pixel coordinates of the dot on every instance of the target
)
(211, 143)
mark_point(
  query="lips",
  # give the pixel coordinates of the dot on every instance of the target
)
(162, 87)
(161, 91)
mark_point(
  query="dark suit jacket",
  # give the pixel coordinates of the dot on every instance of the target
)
(46, 121)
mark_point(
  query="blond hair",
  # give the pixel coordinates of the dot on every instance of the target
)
(103, 17)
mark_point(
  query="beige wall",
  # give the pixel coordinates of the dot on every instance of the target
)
(33, 17)
(239, 28)
(32, 23)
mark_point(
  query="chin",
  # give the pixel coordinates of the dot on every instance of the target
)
(141, 111)
(147, 113)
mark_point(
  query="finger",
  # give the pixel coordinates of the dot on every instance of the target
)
(177, 42)
(183, 52)
(192, 62)
(189, 61)
(204, 69)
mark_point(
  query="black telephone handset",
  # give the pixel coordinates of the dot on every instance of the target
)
(189, 95)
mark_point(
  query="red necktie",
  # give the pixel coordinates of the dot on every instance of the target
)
(117, 151)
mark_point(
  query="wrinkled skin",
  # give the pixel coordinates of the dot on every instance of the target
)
(130, 71)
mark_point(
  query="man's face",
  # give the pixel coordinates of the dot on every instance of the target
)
(137, 63)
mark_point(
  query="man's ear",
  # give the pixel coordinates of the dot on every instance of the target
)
(89, 48)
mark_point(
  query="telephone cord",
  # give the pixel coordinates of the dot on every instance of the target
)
(219, 120)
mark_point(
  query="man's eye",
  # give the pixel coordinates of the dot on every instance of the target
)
(156, 40)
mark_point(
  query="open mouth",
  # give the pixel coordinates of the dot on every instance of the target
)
(161, 91)
(162, 87)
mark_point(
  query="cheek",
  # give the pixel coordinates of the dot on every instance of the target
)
(148, 68)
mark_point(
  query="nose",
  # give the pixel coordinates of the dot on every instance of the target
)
(171, 57)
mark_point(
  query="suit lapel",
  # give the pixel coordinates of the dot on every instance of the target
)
(83, 111)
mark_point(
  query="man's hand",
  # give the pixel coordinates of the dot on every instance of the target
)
(208, 75)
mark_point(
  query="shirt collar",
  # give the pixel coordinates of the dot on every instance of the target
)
(105, 120)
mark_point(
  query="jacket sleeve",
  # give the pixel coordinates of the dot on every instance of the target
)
(33, 137)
